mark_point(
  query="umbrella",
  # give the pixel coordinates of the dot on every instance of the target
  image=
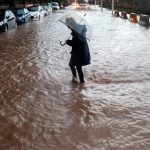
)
(78, 24)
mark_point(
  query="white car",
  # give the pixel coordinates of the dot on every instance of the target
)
(55, 6)
(48, 8)
(36, 12)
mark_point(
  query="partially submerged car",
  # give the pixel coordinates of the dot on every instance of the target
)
(47, 7)
(46, 10)
(7, 20)
(22, 15)
(55, 5)
(36, 12)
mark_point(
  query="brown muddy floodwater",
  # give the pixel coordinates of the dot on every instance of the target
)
(40, 109)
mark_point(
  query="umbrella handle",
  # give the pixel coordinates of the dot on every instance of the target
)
(62, 44)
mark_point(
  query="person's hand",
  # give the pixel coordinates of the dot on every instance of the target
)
(66, 41)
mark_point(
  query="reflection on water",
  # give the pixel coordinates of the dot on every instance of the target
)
(41, 109)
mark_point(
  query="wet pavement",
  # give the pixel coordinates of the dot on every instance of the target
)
(41, 109)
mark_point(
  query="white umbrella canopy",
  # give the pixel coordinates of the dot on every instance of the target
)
(78, 24)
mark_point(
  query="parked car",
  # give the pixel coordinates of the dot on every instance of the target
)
(48, 8)
(36, 12)
(7, 20)
(82, 6)
(22, 15)
(55, 5)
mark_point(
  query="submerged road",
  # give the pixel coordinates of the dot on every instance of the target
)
(41, 109)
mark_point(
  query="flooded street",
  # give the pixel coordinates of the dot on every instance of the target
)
(41, 109)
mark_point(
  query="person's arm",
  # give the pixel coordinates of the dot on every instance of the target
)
(76, 41)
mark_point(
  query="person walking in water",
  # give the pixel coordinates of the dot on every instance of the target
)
(80, 55)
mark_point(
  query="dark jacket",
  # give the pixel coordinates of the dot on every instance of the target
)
(80, 54)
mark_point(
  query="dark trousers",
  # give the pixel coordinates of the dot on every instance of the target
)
(79, 70)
